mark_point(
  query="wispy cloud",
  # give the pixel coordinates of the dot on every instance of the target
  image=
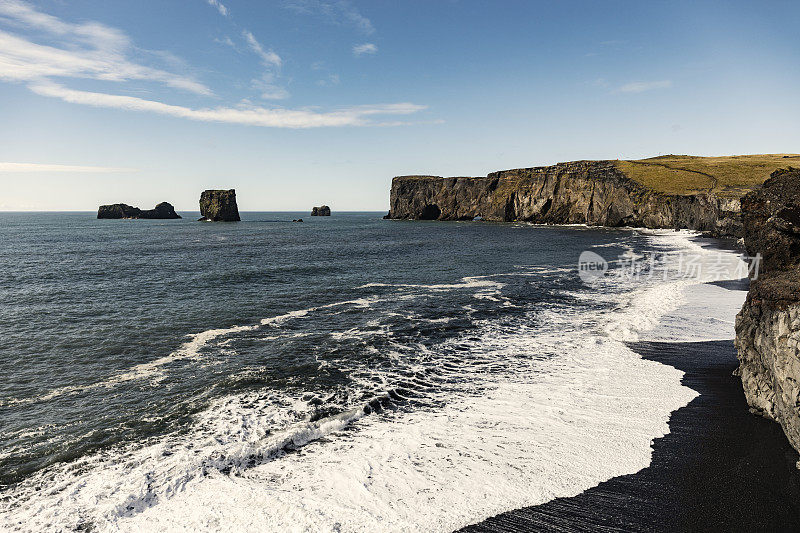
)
(227, 41)
(272, 62)
(642, 86)
(87, 50)
(95, 34)
(268, 88)
(268, 57)
(44, 167)
(245, 114)
(340, 12)
(91, 50)
(363, 49)
(220, 7)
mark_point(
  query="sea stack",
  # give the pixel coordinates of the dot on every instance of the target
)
(768, 326)
(218, 205)
(321, 211)
(164, 210)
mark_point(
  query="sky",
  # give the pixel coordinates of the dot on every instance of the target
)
(296, 103)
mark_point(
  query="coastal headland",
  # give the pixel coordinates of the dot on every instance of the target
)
(718, 455)
(699, 193)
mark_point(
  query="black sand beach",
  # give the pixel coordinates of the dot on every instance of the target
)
(720, 468)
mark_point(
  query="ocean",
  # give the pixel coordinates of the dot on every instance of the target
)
(346, 373)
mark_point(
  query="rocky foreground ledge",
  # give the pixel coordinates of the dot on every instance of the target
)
(696, 193)
(768, 326)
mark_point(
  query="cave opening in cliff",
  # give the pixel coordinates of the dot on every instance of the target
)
(430, 212)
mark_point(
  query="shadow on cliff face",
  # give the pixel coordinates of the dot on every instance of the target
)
(719, 469)
(430, 212)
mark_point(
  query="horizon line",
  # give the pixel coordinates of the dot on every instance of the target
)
(190, 211)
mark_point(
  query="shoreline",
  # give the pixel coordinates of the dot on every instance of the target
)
(719, 467)
(705, 467)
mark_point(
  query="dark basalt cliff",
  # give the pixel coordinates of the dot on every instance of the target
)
(163, 210)
(321, 211)
(579, 192)
(219, 205)
(768, 326)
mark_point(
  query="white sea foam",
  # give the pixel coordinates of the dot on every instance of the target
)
(487, 289)
(655, 305)
(566, 406)
(705, 312)
(568, 428)
(554, 427)
(558, 427)
(469, 282)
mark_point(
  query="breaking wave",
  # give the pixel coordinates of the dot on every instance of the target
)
(514, 410)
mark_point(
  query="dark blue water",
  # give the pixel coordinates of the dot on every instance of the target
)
(96, 318)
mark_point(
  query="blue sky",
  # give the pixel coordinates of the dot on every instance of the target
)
(301, 102)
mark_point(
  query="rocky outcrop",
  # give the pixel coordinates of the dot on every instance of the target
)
(118, 211)
(321, 211)
(219, 206)
(580, 192)
(768, 326)
(163, 210)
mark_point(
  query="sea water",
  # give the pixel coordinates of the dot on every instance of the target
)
(347, 373)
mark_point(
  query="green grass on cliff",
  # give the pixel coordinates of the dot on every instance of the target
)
(728, 176)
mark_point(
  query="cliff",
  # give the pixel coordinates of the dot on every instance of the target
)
(580, 192)
(219, 206)
(667, 192)
(768, 326)
(163, 210)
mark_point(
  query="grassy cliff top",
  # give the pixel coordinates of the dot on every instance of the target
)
(728, 176)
